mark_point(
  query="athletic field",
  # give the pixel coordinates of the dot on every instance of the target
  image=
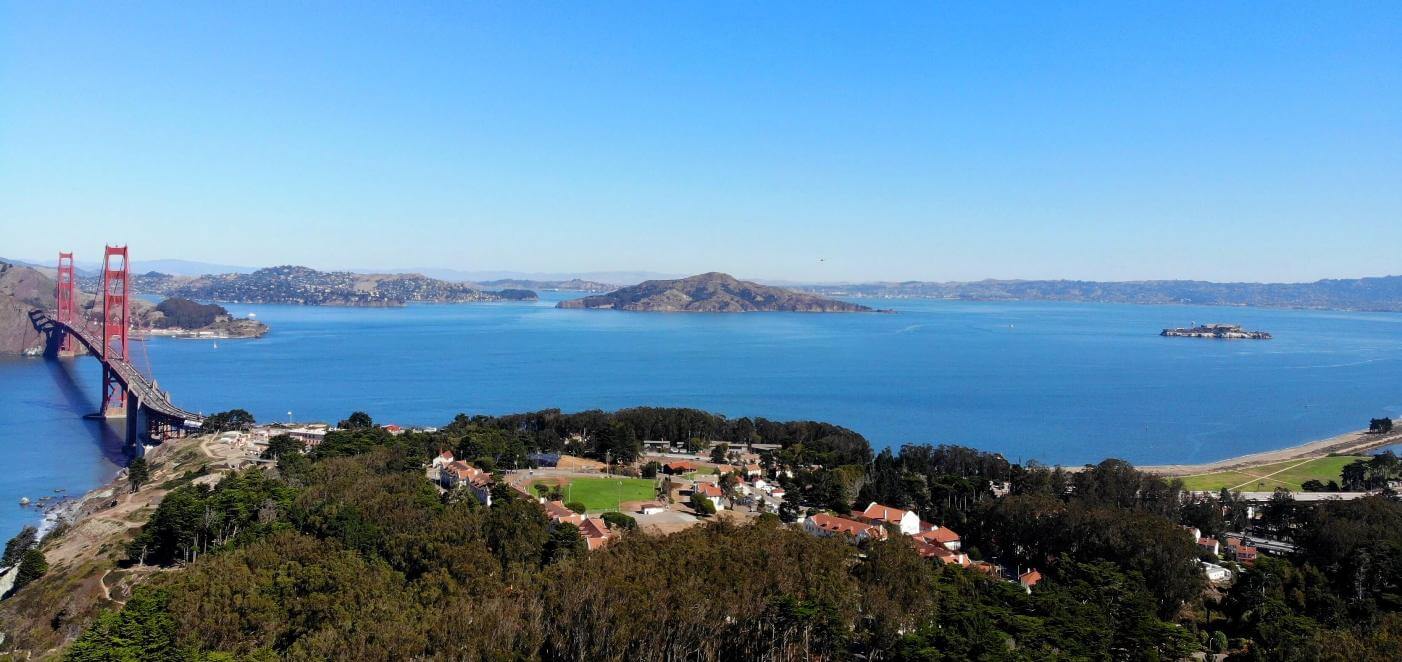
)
(1267, 477)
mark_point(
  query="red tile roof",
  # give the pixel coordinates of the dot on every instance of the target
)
(1030, 578)
(837, 524)
(881, 513)
(942, 535)
(596, 532)
(557, 511)
(709, 489)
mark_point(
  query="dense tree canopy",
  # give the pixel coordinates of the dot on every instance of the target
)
(187, 314)
(348, 552)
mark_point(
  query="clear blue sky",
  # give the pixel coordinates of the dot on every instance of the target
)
(1111, 141)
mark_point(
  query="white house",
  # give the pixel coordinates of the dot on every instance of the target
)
(1216, 573)
(442, 459)
(651, 508)
(712, 492)
(904, 520)
(458, 473)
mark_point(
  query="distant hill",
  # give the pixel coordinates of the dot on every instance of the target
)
(711, 293)
(614, 279)
(304, 286)
(23, 289)
(1364, 294)
(573, 285)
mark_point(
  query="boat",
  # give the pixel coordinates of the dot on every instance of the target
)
(24, 501)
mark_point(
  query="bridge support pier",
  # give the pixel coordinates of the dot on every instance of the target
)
(133, 410)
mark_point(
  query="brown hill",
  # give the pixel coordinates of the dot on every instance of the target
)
(711, 293)
(22, 289)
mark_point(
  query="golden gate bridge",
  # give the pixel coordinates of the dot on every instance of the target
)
(126, 392)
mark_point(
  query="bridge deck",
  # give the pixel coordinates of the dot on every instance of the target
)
(153, 399)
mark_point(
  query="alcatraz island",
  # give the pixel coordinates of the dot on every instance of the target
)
(1219, 331)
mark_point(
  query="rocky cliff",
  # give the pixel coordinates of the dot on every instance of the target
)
(22, 289)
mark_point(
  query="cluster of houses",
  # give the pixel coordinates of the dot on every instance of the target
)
(456, 473)
(1230, 548)
(595, 531)
(752, 484)
(931, 541)
(1235, 549)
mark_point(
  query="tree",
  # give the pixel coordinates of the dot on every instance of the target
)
(565, 542)
(650, 469)
(517, 532)
(702, 504)
(138, 472)
(358, 420)
(224, 421)
(142, 630)
(282, 445)
(576, 507)
(187, 314)
(32, 566)
(1380, 425)
(788, 512)
(18, 545)
(620, 520)
(719, 451)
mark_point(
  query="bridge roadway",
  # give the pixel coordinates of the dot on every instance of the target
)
(140, 390)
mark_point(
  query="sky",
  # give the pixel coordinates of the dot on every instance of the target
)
(796, 141)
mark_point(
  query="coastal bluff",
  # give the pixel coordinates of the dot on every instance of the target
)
(711, 293)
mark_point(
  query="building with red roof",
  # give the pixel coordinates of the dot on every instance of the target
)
(824, 524)
(558, 513)
(940, 535)
(596, 533)
(905, 521)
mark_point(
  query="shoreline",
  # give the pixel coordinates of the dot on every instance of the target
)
(1349, 443)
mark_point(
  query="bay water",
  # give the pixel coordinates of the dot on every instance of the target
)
(1056, 382)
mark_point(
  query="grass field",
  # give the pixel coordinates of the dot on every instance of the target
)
(1267, 477)
(603, 494)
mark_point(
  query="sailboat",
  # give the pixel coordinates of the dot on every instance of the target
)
(216, 344)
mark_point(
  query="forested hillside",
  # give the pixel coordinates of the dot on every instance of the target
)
(348, 552)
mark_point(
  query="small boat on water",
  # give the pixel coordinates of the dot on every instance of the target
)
(24, 501)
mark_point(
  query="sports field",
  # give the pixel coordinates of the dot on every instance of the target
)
(1265, 478)
(604, 494)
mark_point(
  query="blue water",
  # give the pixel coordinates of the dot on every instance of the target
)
(44, 441)
(1061, 383)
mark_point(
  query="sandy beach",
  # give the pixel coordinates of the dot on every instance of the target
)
(1344, 444)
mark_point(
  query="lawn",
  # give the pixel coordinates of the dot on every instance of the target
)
(1265, 478)
(603, 494)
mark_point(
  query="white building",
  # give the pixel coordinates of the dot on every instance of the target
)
(904, 520)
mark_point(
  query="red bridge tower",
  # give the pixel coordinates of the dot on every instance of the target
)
(115, 322)
(65, 292)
